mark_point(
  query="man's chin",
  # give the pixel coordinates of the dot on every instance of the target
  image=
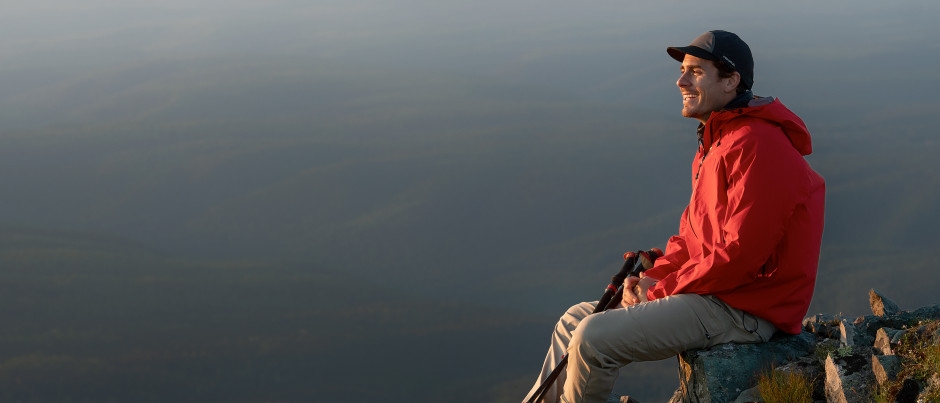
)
(692, 115)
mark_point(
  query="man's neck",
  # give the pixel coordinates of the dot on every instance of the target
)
(740, 101)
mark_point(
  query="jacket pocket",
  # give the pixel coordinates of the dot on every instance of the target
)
(769, 267)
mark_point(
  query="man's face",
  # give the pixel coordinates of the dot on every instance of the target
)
(703, 91)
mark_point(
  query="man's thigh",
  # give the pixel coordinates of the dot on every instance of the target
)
(661, 328)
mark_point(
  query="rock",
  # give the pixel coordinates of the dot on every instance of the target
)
(845, 360)
(881, 305)
(721, 373)
(824, 325)
(896, 338)
(928, 331)
(885, 367)
(866, 326)
(883, 342)
(751, 395)
(621, 399)
(848, 379)
(846, 333)
(927, 313)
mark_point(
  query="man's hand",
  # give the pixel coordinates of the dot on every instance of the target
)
(634, 289)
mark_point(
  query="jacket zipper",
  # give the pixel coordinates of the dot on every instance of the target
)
(701, 161)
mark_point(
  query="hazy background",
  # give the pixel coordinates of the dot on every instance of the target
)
(344, 201)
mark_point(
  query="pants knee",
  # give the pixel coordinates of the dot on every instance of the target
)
(580, 310)
(586, 339)
(572, 317)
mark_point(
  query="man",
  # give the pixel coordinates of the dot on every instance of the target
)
(743, 265)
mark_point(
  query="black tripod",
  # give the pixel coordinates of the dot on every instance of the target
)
(634, 263)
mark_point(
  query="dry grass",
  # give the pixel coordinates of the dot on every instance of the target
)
(785, 387)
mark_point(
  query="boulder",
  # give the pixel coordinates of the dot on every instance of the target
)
(848, 379)
(885, 367)
(721, 373)
(881, 305)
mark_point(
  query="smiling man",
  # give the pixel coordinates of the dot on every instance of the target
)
(743, 265)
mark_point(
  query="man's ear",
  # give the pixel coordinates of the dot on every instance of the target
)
(731, 83)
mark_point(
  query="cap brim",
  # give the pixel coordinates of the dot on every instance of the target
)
(679, 53)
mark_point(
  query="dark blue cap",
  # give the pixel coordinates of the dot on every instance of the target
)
(720, 45)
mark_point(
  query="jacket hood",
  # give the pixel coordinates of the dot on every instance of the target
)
(767, 108)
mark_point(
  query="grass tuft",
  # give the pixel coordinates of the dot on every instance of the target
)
(785, 387)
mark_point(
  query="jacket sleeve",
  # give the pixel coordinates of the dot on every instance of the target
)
(676, 253)
(762, 190)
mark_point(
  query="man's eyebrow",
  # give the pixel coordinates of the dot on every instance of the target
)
(691, 66)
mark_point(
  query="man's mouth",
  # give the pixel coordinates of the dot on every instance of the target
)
(686, 97)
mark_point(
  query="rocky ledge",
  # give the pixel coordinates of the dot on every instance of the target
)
(846, 361)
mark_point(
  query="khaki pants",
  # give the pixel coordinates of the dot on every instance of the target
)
(599, 345)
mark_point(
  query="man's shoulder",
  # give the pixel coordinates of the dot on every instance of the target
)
(744, 124)
(753, 133)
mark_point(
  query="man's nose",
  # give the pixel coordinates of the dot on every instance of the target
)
(683, 80)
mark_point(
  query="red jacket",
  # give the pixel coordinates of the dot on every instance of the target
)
(751, 233)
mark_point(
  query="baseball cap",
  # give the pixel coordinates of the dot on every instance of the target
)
(720, 45)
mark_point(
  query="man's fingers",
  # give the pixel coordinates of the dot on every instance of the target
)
(630, 296)
(641, 295)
